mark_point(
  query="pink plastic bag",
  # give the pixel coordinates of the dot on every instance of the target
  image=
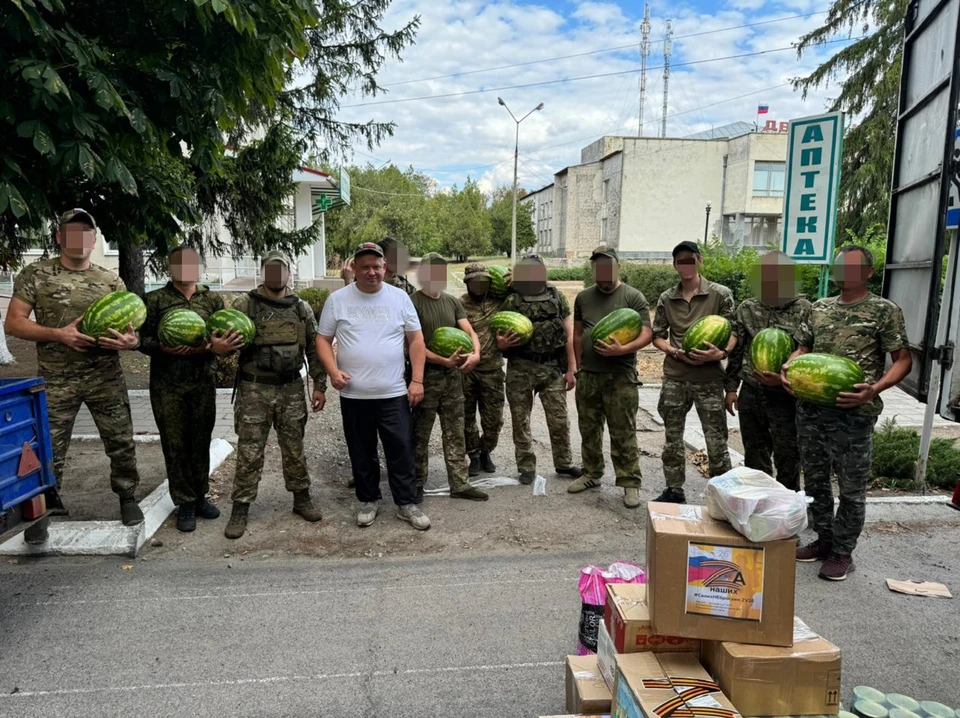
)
(593, 595)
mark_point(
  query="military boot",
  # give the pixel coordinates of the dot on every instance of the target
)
(474, 468)
(238, 520)
(486, 463)
(303, 505)
(186, 517)
(130, 513)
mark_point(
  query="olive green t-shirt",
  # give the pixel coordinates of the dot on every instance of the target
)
(444, 311)
(592, 305)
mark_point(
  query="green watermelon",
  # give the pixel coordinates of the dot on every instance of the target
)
(446, 340)
(770, 350)
(498, 282)
(224, 320)
(504, 322)
(624, 325)
(182, 328)
(116, 310)
(819, 378)
(713, 329)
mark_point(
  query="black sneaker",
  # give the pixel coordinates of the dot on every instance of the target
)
(574, 471)
(671, 496)
(206, 510)
(130, 513)
(474, 468)
(186, 517)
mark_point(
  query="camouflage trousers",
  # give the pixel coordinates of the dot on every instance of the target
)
(614, 399)
(842, 441)
(483, 390)
(258, 407)
(676, 400)
(105, 394)
(524, 380)
(768, 426)
(185, 416)
(443, 395)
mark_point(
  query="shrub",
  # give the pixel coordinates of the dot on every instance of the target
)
(895, 453)
(315, 297)
(569, 274)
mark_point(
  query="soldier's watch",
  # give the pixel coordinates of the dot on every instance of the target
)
(725, 354)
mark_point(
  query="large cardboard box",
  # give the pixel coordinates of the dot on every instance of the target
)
(586, 690)
(707, 581)
(627, 618)
(772, 681)
(667, 684)
(606, 656)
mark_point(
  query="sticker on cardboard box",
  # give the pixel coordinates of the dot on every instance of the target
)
(725, 581)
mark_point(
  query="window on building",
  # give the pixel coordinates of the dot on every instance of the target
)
(761, 232)
(550, 238)
(606, 190)
(111, 248)
(768, 179)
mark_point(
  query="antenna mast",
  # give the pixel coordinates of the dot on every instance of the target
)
(667, 52)
(644, 53)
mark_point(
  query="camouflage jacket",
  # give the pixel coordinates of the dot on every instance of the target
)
(752, 316)
(479, 313)
(401, 283)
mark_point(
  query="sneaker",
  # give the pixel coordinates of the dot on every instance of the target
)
(582, 484)
(486, 463)
(837, 567)
(474, 468)
(815, 551)
(631, 497)
(470, 493)
(130, 513)
(205, 509)
(672, 496)
(413, 515)
(186, 517)
(574, 471)
(368, 513)
(527, 477)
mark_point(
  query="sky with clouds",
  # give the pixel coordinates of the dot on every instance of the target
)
(451, 138)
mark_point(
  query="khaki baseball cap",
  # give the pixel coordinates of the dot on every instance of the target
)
(275, 255)
(75, 214)
(368, 248)
(605, 251)
(432, 258)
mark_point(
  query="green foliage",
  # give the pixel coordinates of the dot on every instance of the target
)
(569, 274)
(731, 269)
(462, 222)
(501, 221)
(315, 297)
(895, 452)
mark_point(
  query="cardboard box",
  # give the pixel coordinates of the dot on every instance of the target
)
(627, 618)
(707, 581)
(606, 656)
(667, 684)
(586, 690)
(772, 681)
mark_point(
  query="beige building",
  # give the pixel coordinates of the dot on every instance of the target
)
(642, 195)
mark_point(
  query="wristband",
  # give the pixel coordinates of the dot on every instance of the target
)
(414, 381)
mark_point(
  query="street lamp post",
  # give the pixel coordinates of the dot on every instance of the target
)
(706, 224)
(516, 157)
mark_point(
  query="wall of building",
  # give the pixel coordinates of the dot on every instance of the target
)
(596, 151)
(611, 197)
(582, 209)
(744, 153)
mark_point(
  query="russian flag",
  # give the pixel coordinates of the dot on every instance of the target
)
(763, 109)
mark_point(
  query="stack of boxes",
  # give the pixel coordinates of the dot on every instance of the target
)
(711, 635)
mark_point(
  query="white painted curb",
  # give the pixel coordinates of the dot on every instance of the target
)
(137, 438)
(110, 538)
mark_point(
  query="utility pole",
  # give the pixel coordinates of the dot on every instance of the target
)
(644, 53)
(667, 53)
(516, 157)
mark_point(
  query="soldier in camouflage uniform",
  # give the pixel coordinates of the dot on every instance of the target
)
(78, 369)
(607, 384)
(694, 379)
(482, 387)
(768, 414)
(863, 327)
(544, 366)
(183, 390)
(442, 382)
(271, 391)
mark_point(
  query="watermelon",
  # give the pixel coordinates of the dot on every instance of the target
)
(446, 340)
(624, 325)
(498, 282)
(223, 320)
(713, 329)
(770, 350)
(504, 322)
(819, 378)
(116, 310)
(182, 328)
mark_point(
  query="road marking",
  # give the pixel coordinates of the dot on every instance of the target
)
(267, 680)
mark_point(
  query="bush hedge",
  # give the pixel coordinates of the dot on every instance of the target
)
(895, 451)
(315, 297)
(569, 274)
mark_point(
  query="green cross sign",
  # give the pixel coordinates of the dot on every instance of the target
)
(323, 203)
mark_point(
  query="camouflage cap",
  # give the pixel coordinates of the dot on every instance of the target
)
(432, 258)
(475, 271)
(368, 248)
(275, 255)
(605, 251)
(77, 214)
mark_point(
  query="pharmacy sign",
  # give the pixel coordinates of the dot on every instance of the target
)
(813, 180)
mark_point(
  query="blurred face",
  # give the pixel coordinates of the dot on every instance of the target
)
(185, 267)
(529, 277)
(478, 286)
(432, 278)
(398, 259)
(606, 273)
(275, 275)
(76, 240)
(775, 280)
(687, 264)
(851, 271)
(369, 270)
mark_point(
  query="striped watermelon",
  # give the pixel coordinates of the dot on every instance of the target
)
(182, 328)
(223, 320)
(498, 282)
(770, 349)
(116, 310)
(504, 322)
(446, 340)
(819, 378)
(713, 329)
(624, 325)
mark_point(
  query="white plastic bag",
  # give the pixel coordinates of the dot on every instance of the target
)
(539, 486)
(756, 504)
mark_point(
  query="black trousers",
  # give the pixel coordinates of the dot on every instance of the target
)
(391, 420)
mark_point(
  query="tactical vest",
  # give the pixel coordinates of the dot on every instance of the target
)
(281, 335)
(549, 334)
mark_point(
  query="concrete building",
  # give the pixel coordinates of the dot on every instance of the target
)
(642, 195)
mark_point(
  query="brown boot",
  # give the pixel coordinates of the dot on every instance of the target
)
(238, 520)
(303, 505)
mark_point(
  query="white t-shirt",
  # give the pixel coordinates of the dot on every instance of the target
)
(370, 330)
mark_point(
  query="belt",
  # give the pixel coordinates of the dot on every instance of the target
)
(547, 358)
(276, 380)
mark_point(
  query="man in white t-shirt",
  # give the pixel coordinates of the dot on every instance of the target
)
(372, 322)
